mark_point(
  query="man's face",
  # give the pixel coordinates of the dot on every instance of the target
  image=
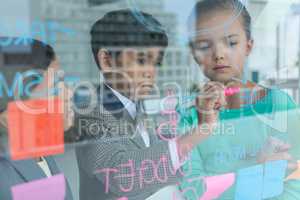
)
(135, 72)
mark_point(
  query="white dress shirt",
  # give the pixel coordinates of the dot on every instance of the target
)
(44, 166)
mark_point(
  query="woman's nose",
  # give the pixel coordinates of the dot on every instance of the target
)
(219, 53)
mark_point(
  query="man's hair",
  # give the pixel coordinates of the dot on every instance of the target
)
(207, 6)
(20, 57)
(123, 29)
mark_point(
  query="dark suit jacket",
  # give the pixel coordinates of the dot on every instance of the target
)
(110, 141)
(16, 172)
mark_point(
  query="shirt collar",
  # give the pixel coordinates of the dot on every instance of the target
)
(128, 104)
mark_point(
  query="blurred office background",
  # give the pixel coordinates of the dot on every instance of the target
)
(66, 23)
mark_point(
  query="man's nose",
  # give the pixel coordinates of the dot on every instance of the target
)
(149, 72)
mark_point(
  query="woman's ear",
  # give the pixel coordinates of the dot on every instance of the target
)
(249, 47)
(104, 59)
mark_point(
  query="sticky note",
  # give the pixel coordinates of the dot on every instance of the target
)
(53, 188)
(216, 185)
(249, 183)
(274, 174)
(35, 128)
(295, 175)
(123, 198)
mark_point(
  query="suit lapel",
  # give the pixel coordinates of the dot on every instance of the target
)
(112, 103)
(54, 171)
(52, 166)
(138, 141)
(28, 169)
(125, 122)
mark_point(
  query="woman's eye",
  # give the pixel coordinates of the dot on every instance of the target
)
(202, 46)
(232, 43)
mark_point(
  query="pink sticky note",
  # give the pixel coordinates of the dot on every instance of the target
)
(216, 185)
(123, 198)
(53, 188)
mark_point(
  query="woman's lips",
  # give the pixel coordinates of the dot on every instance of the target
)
(220, 68)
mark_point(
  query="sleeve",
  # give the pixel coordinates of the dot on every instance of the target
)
(286, 118)
(192, 185)
(282, 108)
(8, 178)
(291, 191)
(193, 170)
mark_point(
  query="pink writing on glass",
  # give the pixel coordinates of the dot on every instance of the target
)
(136, 174)
(169, 104)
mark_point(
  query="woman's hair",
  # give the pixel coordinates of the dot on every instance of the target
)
(32, 54)
(19, 56)
(207, 6)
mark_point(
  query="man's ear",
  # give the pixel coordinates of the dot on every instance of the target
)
(104, 59)
(249, 47)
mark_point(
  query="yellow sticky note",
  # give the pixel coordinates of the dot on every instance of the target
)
(295, 174)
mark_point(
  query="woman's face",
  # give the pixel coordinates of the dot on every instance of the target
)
(221, 52)
(47, 81)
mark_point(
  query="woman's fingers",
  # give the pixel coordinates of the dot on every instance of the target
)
(212, 98)
(279, 156)
(292, 163)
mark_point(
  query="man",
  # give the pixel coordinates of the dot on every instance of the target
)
(123, 156)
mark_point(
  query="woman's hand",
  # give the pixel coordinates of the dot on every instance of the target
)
(275, 149)
(208, 104)
(234, 101)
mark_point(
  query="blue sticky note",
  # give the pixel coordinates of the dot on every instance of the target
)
(274, 175)
(249, 183)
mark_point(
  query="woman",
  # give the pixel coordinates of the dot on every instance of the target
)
(34, 56)
(221, 45)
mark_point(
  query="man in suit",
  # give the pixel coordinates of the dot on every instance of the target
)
(36, 56)
(122, 156)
